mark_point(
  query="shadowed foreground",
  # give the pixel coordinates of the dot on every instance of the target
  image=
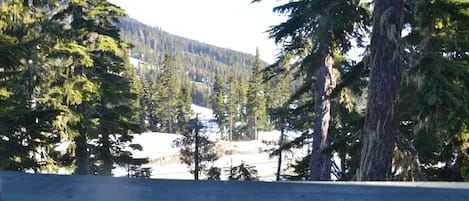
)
(33, 187)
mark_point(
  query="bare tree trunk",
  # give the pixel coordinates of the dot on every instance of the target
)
(380, 120)
(320, 167)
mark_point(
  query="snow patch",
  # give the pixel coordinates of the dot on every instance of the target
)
(202, 112)
(155, 145)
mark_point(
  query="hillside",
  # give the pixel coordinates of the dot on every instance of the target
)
(199, 60)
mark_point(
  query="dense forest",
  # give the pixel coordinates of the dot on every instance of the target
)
(71, 99)
(197, 60)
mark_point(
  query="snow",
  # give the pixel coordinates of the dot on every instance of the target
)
(155, 145)
(164, 158)
(134, 61)
(203, 112)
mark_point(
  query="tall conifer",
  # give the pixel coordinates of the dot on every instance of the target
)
(256, 105)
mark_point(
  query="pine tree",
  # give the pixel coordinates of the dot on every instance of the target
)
(218, 102)
(256, 106)
(233, 105)
(26, 133)
(89, 62)
(152, 91)
(167, 94)
(243, 172)
(380, 130)
(313, 33)
(280, 112)
(184, 109)
(207, 154)
(242, 90)
(433, 97)
(139, 86)
(117, 122)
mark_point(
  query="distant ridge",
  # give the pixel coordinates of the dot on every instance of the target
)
(203, 59)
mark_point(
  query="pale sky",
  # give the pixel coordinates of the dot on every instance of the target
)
(234, 24)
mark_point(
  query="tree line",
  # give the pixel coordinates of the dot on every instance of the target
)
(70, 99)
(400, 112)
(68, 92)
(198, 60)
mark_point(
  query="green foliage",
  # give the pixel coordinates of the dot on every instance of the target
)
(434, 104)
(218, 101)
(233, 105)
(313, 30)
(213, 173)
(198, 60)
(184, 109)
(69, 82)
(167, 94)
(26, 134)
(243, 172)
(256, 103)
(207, 153)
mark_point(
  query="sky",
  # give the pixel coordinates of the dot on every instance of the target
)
(233, 24)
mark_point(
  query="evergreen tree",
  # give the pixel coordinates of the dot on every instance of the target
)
(380, 130)
(256, 105)
(243, 172)
(152, 92)
(207, 154)
(184, 109)
(218, 102)
(141, 89)
(117, 117)
(433, 97)
(26, 132)
(214, 173)
(280, 111)
(313, 33)
(167, 94)
(92, 85)
(242, 90)
(232, 105)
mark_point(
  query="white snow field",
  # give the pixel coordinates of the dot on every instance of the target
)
(164, 158)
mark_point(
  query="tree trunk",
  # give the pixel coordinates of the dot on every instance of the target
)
(380, 120)
(170, 118)
(279, 165)
(106, 156)
(255, 127)
(81, 154)
(196, 151)
(230, 138)
(320, 167)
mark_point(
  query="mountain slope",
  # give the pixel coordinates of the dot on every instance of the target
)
(198, 59)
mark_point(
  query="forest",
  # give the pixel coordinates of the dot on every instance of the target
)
(198, 60)
(400, 113)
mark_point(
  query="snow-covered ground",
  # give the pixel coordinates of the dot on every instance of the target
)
(202, 112)
(164, 158)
